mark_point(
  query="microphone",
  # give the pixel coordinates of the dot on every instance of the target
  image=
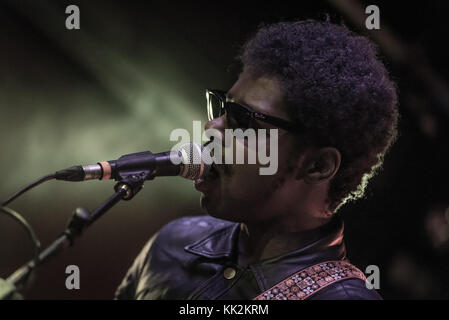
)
(188, 162)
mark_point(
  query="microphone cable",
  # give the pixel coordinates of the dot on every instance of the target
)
(22, 221)
(27, 188)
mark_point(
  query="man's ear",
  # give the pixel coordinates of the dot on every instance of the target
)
(320, 165)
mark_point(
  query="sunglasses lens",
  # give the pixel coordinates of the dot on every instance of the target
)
(238, 117)
(214, 106)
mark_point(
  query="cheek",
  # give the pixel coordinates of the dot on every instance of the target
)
(246, 184)
(245, 180)
(239, 184)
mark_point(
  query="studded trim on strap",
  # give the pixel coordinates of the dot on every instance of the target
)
(310, 280)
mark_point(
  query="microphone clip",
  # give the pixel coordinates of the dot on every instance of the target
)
(132, 183)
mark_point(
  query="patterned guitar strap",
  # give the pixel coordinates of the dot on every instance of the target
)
(311, 280)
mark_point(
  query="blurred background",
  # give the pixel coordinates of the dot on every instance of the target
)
(136, 70)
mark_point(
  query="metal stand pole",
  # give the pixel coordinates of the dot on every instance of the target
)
(125, 189)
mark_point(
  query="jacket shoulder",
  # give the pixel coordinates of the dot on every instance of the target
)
(166, 249)
(184, 231)
(349, 289)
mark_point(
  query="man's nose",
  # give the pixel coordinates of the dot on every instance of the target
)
(217, 123)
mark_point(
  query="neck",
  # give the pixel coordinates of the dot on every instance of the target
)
(259, 242)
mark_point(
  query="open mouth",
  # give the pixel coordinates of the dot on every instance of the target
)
(207, 183)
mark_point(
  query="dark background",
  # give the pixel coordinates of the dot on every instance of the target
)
(136, 70)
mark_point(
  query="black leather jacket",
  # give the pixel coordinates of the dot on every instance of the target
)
(196, 258)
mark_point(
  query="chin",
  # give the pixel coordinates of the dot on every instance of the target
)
(214, 209)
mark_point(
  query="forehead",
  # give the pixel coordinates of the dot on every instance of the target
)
(261, 93)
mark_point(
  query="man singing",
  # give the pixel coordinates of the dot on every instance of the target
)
(279, 236)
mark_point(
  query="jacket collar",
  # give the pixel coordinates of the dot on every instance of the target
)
(222, 243)
(219, 244)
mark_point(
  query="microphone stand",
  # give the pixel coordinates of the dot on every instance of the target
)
(129, 185)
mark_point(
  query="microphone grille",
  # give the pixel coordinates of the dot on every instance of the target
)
(193, 158)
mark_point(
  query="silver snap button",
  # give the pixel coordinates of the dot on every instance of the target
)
(229, 273)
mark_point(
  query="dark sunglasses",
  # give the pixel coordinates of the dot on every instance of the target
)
(238, 115)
